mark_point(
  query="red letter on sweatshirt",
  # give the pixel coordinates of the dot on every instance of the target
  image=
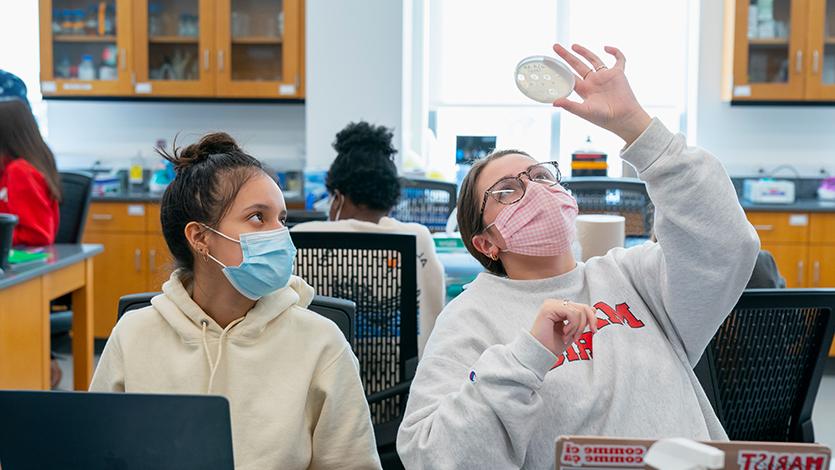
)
(623, 314)
(584, 344)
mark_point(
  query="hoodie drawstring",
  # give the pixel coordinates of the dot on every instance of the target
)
(213, 367)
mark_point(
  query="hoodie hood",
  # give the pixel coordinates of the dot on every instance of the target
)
(186, 318)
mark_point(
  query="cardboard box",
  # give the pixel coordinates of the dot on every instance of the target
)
(601, 453)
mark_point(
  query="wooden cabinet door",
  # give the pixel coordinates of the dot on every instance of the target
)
(120, 270)
(116, 217)
(769, 57)
(780, 227)
(70, 30)
(259, 48)
(820, 81)
(822, 266)
(822, 228)
(174, 40)
(791, 262)
(160, 263)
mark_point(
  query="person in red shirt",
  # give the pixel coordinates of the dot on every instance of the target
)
(30, 187)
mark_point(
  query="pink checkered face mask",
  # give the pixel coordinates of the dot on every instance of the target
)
(541, 223)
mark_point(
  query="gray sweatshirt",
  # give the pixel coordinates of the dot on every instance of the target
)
(487, 394)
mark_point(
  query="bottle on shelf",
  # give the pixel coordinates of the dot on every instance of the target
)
(86, 69)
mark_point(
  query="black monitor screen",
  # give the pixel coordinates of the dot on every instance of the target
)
(469, 148)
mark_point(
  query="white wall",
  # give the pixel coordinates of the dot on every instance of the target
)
(84, 131)
(354, 70)
(747, 138)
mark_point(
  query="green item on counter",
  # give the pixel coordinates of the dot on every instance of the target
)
(22, 256)
(449, 244)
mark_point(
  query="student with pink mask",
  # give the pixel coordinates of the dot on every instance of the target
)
(542, 345)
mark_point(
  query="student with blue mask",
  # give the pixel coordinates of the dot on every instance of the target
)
(232, 320)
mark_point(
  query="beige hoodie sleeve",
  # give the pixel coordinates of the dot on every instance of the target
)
(343, 437)
(110, 373)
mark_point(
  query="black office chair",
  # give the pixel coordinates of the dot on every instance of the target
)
(76, 190)
(426, 202)
(379, 273)
(762, 370)
(627, 197)
(339, 311)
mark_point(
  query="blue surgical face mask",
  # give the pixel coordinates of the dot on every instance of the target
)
(267, 262)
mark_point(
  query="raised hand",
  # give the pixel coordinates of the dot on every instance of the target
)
(608, 100)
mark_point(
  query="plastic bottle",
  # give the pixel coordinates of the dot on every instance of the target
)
(86, 69)
(136, 175)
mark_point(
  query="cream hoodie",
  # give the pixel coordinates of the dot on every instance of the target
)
(291, 379)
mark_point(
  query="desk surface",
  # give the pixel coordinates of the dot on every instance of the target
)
(800, 205)
(61, 256)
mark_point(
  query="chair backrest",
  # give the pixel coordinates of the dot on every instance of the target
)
(339, 311)
(379, 273)
(763, 367)
(616, 196)
(76, 189)
(426, 202)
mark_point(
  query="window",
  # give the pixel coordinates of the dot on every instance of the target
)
(476, 44)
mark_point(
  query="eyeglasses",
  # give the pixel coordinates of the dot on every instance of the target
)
(511, 189)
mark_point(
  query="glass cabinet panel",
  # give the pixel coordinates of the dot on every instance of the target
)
(257, 28)
(769, 30)
(84, 40)
(173, 40)
(828, 59)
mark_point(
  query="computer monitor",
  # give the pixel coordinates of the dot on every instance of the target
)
(469, 148)
(114, 430)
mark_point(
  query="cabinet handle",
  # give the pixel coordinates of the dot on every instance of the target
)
(764, 228)
(815, 59)
(800, 273)
(798, 61)
(152, 260)
(137, 260)
(220, 60)
(123, 58)
(102, 216)
(816, 273)
(206, 59)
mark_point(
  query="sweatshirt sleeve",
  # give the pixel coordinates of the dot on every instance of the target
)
(454, 408)
(110, 372)
(29, 199)
(343, 436)
(706, 249)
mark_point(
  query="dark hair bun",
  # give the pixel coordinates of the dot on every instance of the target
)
(362, 138)
(209, 144)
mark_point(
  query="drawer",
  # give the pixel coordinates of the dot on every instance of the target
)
(822, 228)
(116, 217)
(791, 227)
(153, 225)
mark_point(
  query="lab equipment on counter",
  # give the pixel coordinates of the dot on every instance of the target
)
(768, 191)
(588, 161)
(105, 184)
(826, 191)
(314, 188)
(544, 79)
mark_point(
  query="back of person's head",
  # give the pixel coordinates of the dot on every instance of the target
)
(209, 175)
(364, 170)
(20, 138)
(12, 87)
